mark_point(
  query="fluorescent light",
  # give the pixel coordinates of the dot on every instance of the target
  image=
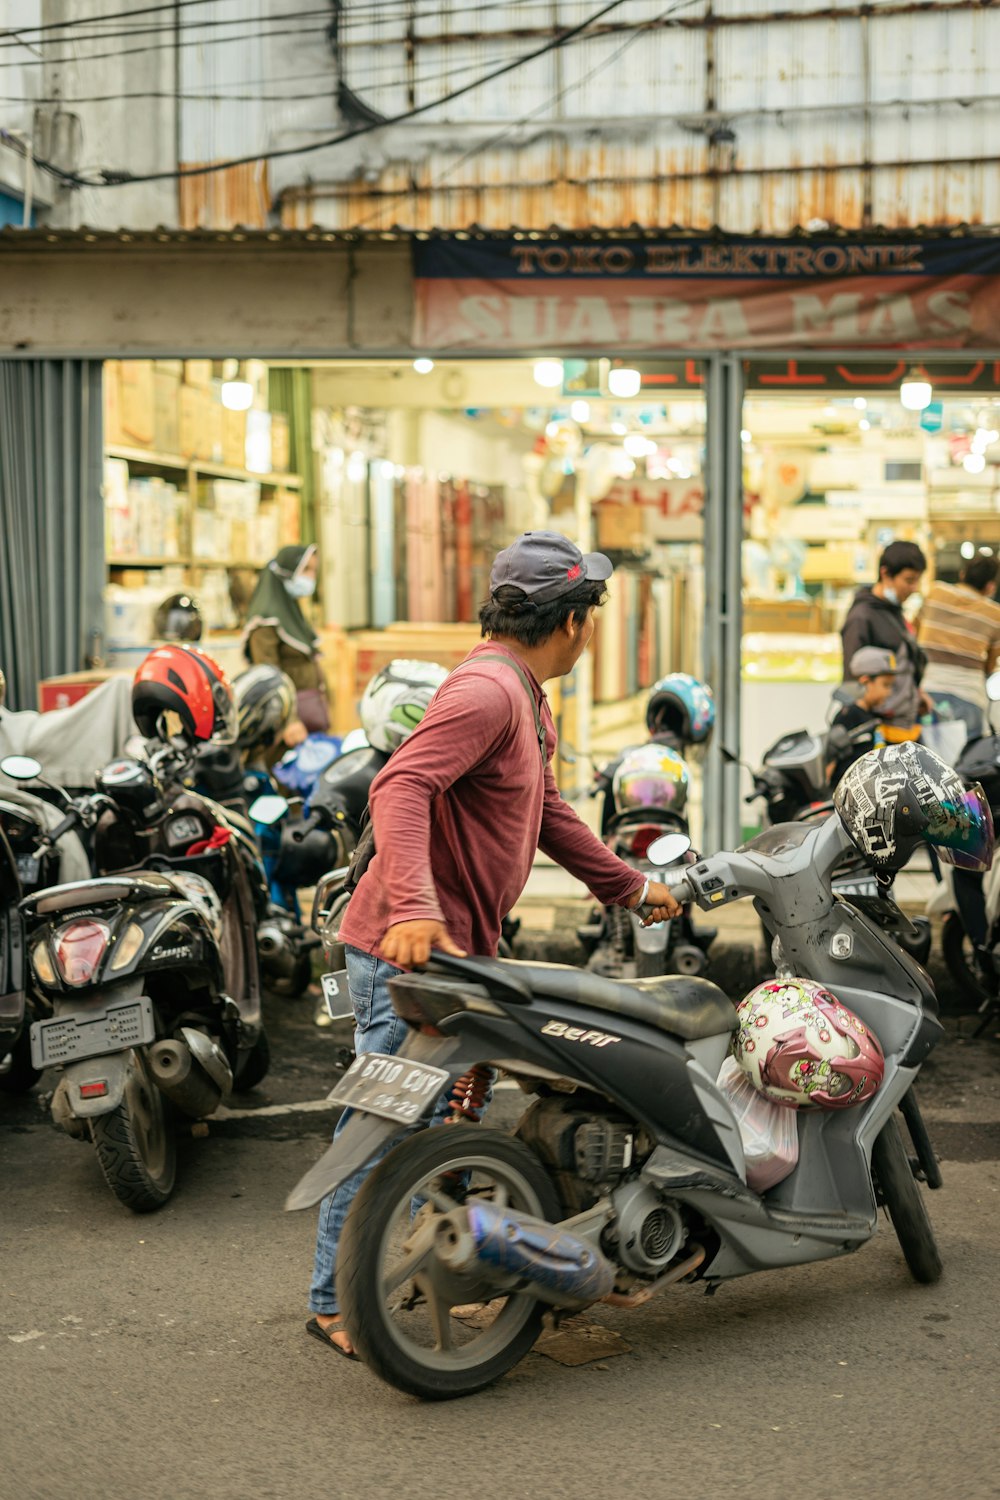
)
(237, 395)
(580, 411)
(974, 463)
(423, 366)
(624, 383)
(548, 373)
(915, 393)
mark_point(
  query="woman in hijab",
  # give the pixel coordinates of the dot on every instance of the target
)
(277, 633)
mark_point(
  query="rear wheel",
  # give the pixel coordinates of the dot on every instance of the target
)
(901, 1195)
(135, 1143)
(16, 1072)
(420, 1325)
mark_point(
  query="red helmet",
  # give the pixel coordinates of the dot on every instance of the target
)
(187, 682)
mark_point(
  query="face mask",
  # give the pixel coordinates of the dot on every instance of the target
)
(889, 594)
(301, 588)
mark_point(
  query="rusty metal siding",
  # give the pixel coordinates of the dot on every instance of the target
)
(737, 116)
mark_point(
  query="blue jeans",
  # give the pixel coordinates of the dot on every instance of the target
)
(377, 1028)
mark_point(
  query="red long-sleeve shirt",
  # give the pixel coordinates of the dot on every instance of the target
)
(460, 810)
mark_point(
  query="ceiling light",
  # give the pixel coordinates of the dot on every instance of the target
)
(864, 425)
(619, 429)
(915, 393)
(968, 549)
(423, 366)
(580, 411)
(624, 383)
(548, 373)
(974, 463)
(237, 395)
(860, 403)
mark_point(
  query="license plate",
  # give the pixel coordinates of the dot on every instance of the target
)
(28, 866)
(65, 1039)
(860, 888)
(336, 998)
(392, 1087)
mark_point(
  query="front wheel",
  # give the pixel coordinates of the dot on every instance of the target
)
(419, 1325)
(135, 1142)
(900, 1193)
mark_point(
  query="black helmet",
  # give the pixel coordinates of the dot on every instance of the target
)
(178, 619)
(897, 795)
(265, 702)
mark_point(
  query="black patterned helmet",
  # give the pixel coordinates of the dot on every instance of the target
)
(894, 797)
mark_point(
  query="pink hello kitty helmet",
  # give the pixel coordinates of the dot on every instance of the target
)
(798, 1045)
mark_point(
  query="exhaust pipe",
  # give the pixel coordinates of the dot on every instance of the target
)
(193, 1073)
(563, 1269)
(689, 960)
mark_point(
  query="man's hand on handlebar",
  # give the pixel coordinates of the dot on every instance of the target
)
(660, 905)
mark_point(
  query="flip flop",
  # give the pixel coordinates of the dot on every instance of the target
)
(323, 1334)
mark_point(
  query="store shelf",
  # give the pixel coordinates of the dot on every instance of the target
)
(174, 462)
(226, 562)
(147, 562)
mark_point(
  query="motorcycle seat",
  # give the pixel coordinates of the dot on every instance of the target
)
(680, 1004)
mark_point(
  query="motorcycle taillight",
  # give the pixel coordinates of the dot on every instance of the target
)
(79, 948)
(639, 839)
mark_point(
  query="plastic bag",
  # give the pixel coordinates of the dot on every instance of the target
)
(299, 769)
(769, 1131)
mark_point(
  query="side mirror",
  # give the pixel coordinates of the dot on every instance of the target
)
(993, 687)
(327, 891)
(268, 809)
(668, 848)
(21, 767)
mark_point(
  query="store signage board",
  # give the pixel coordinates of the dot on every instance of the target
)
(703, 295)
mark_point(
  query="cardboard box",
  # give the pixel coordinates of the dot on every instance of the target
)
(137, 422)
(234, 437)
(289, 517)
(281, 460)
(198, 372)
(784, 616)
(166, 412)
(174, 367)
(620, 528)
(113, 434)
(213, 433)
(190, 421)
(63, 692)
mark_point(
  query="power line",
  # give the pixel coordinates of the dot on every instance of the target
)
(171, 28)
(173, 45)
(119, 179)
(554, 99)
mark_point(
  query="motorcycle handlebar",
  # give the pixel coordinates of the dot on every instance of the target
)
(71, 820)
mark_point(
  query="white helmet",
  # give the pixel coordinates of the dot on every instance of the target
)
(396, 700)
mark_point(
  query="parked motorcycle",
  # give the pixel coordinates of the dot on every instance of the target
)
(968, 903)
(149, 968)
(645, 795)
(628, 1172)
(30, 858)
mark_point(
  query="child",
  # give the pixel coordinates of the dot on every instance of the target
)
(874, 667)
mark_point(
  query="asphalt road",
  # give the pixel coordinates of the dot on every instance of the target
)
(164, 1357)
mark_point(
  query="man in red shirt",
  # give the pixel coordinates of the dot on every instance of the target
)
(459, 812)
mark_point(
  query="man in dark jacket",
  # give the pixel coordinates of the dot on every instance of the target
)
(876, 619)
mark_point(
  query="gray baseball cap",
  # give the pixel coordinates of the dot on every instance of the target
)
(874, 661)
(546, 565)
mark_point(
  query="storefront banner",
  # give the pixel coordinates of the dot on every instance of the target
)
(563, 296)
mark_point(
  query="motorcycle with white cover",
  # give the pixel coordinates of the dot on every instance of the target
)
(627, 1173)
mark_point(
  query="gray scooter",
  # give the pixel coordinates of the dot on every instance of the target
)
(627, 1173)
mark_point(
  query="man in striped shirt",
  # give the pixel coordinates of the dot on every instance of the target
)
(959, 630)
